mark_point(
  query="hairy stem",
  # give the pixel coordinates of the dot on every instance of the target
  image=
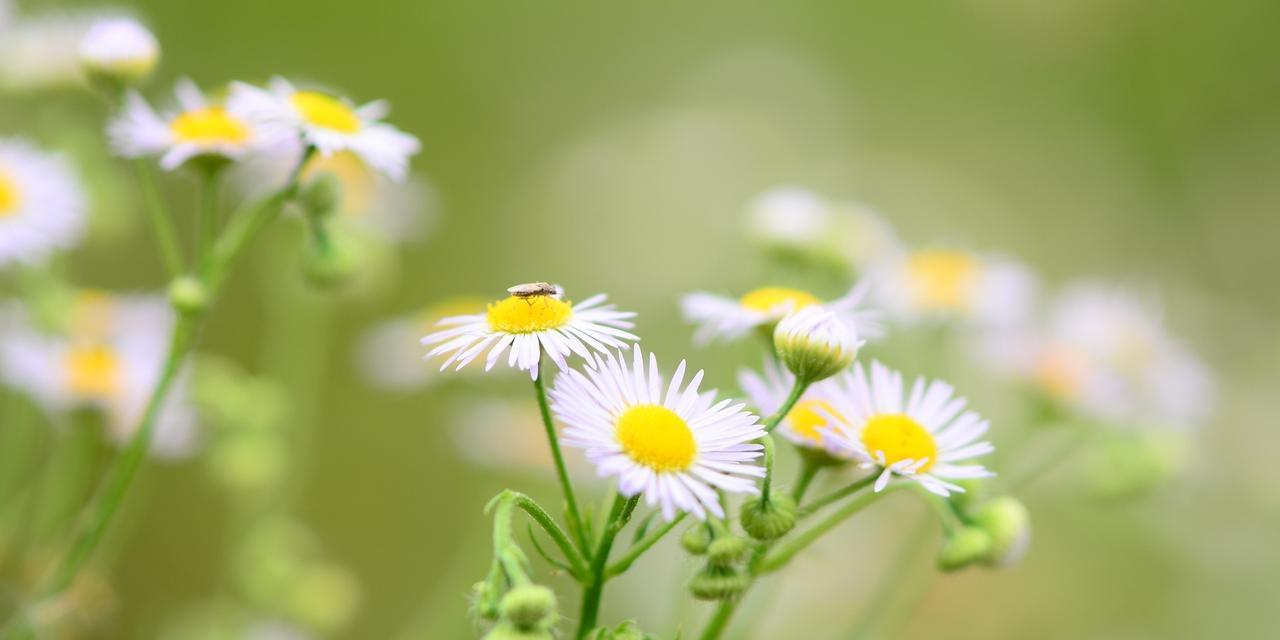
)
(161, 223)
(562, 473)
(619, 515)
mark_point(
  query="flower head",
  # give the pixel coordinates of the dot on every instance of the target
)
(922, 436)
(387, 353)
(42, 52)
(675, 448)
(329, 123)
(808, 423)
(815, 344)
(732, 318)
(530, 326)
(197, 128)
(797, 222)
(41, 205)
(948, 283)
(119, 48)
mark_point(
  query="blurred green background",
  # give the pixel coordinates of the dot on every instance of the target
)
(613, 147)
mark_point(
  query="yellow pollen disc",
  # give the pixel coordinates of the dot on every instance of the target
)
(943, 279)
(897, 437)
(93, 371)
(210, 125)
(657, 438)
(326, 111)
(1061, 373)
(10, 197)
(808, 416)
(767, 299)
(353, 174)
(529, 315)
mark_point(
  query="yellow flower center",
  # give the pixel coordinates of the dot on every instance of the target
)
(943, 280)
(529, 315)
(93, 371)
(1061, 373)
(897, 437)
(808, 416)
(326, 111)
(10, 196)
(766, 299)
(656, 437)
(210, 125)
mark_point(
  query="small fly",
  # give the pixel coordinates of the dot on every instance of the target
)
(534, 290)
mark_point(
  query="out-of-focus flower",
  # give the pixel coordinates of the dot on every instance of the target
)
(119, 48)
(815, 344)
(676, 448)
(507, 436)
(807, 425)
(42, 208)
(729, 318)
(529, 326)
(796, 221)
(388, 353)
(110, 359)
(920, 437)
(329, 123)
(196, 129)
(937, 284)
(43, 52)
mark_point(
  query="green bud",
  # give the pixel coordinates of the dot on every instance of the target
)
(508, 631)
(769, 520)
(719, 583)
(963, 548)
(1008, 524)
(625, 631)
(330, 264)
(530, 608)
(726, 551)
(188, 295)
(696, 539)
(1127, 466)
(815, 344)
(484, 601)
(321, 196)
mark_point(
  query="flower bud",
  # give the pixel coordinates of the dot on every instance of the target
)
(815, 344)
(508, 631)
(696, 539)
(119, 49)
(329, 265)
(768, 520)
(321, 196)
(1126, 466)
(726, 551)
(530, 608)
(963, 548)
(625, 631)
(1008, 524)
(484, 601)
(719, 583)
(188, 295)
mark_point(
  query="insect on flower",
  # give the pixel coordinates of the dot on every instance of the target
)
(534, 290)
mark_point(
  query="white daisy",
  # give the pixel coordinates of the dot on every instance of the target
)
(794, 220)
(507, 437)
(197, 128)
(922, 438)
(675, 449)
(329, 123)
(110, 359)
(807, 424)
(530, 326)
(42, 52)
(387, 354)
(945, 283)
(119, 47)
(42, 208)
(729, 318)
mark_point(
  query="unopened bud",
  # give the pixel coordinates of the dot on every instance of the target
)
(625, 631)
(962, 548)
(119, 49)
(768, 520)
(530, 608)
(719, 583)
(696, 539)
(330, 264)
(1008, 524)
(188, 295)
(726, 551)
(815, 344)
(321, 196)
(508, 631)
(484, 601)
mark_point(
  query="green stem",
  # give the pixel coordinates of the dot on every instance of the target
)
(808, 471)
(562, 472)
(161, 223)
(618, 518)
(720, 619)
(207, 221)
(836, 496)
(770, 452)
(787, 549)
(548, 524)
(797, 390)
(640, 547)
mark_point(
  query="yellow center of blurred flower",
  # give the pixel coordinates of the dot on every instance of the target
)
(766, 299)
(326, 111)
(897, 437)
(10, 197)
(808, 416)
(1061, 373)
(92, 314)
(352, 173)
(529, 315)
(657, 438)
(93, 371)
(210, 125)
(943, 280)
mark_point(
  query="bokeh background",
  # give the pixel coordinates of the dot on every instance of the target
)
(614, 147)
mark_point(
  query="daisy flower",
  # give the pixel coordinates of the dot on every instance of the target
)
(119, 47)
(110, 359)
(387, 353)
(675, 449)
(940, 283)
(41, 205)
(807, 424)
(794, 220)
(329, 123)
(730, 318)
(922, 436)
(197, 128)
(529, 326)
(42, 52)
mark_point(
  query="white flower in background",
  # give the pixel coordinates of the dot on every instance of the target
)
(329, 123)
(921, 437)
(727, 318)
(43, 52)
(197, 128)
(110, 359)
(796, 220)
(935, 284)
(508, 437)
(807, 424)
(388, 353)
(42, 209)
(529, 326)
(665, 441)
(120, 48)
